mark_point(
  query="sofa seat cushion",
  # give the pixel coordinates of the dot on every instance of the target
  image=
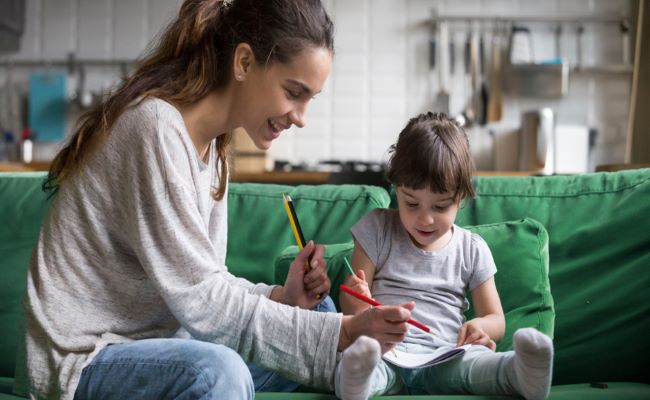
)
(6, 389)
(614, 391)
(520, 251)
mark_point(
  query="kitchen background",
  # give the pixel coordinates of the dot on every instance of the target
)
(563, 68)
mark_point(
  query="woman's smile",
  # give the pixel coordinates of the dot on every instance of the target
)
(275, 128)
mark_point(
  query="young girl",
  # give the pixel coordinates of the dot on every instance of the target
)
(134, 244)
(416, 253)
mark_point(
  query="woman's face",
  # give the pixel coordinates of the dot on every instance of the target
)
(273, 98)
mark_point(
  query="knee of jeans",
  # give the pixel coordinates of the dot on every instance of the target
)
(327, 305)
(225, 367)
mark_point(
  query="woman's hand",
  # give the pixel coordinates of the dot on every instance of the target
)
(472, 333)
(386, 324)
(306, 289)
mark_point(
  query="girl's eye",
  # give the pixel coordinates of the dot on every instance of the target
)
(441, 208)
(411, 205)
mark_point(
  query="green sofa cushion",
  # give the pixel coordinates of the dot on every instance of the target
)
(266, 231)
(520, 250)
(599, 247)
(22, 207)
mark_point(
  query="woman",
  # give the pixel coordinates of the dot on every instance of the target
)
(133, 248)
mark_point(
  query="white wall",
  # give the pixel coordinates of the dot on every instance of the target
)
(380, 76)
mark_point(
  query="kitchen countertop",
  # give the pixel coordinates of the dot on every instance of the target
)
(279, 177)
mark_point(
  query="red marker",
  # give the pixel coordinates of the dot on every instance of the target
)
(375, 303)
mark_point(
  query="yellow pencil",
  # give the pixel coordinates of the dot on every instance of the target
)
(293, 220)
(295, 226)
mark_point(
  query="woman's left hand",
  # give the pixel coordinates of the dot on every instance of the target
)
(472, 333)
(307, 289)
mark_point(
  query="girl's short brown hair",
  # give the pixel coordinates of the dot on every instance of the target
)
(432, 151)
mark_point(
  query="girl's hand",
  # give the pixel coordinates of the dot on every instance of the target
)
(358, 283)
(306, 289)
(472, 333)
(386, 324)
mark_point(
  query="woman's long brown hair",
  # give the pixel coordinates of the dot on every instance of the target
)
(192, 58)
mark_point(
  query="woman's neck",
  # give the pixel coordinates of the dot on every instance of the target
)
(207, 119)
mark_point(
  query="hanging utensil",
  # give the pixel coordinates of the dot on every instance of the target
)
(521, 46)
(495, 102)
(452, 57)
(625, 41)
(558, 42)
(441, 103)
(467, 116)
(579, 31)
(474, 71)
(433, 50)
(482, 92)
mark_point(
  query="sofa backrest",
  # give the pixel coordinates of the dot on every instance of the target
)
(265, 231)
(599, 246)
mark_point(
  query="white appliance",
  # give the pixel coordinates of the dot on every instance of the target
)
(571, 149)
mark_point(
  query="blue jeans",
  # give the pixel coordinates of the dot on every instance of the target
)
(179, 369)
(269, 381)
(166, 369)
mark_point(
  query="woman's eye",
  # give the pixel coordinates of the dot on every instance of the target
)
(292, 95)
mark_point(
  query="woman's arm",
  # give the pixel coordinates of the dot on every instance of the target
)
(361, 282)
(489, 324)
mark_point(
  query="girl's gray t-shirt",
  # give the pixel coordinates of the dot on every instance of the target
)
(437, 281)
(134, 247)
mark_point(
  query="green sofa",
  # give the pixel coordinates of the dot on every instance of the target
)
(573, 255)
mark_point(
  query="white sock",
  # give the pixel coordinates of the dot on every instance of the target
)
(357, 363)
(533, 363)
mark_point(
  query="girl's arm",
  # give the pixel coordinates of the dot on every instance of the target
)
(361, 282)
(489, 324)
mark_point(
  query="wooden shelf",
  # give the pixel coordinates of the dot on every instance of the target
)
(620, 167)
(24, 167)
(315, 178)
(282, 177)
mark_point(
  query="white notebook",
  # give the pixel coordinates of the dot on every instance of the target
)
(411, 361)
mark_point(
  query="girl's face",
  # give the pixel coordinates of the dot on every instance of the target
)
(428, 217)
(276, 97)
